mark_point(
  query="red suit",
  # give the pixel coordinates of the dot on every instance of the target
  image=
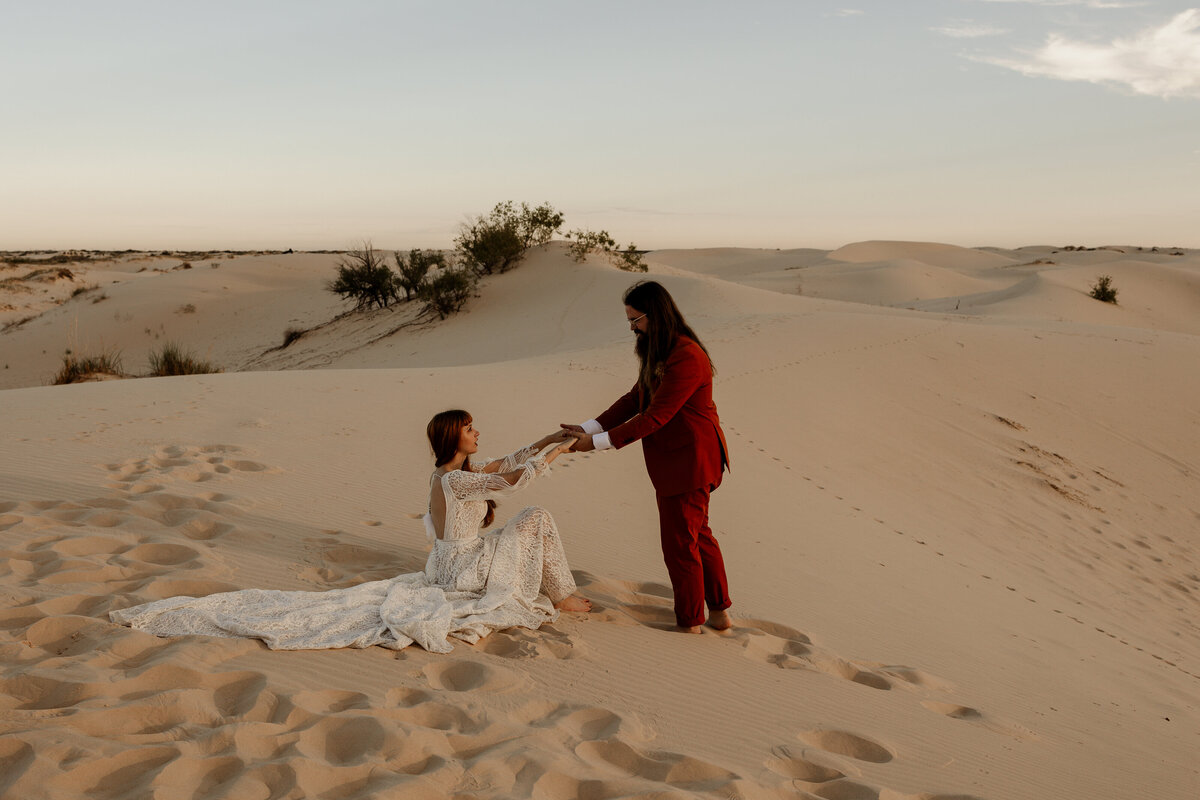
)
(685, 454)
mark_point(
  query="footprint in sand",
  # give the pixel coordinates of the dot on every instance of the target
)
(16, 757)
(952, 710)
(789, 765)
(163, 554)
(438, 716)
(41, 693)
(130, 772)
(331, 701)
(342, 740)
(522, 643)
(674, 769)
(67, 636)
(162, 589)
(846, 744)
(204, 527)
(403, 697)
(583, 723)
(470, 676)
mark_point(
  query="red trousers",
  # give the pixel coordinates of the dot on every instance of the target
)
(693, 556)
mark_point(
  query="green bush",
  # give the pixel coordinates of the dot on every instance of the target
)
(365, 278)
(1103, 290)
(174, 360)
(81, 368)
(584, 242)
(497, 243)
(630, 259)
(447, 292)
(413, 269)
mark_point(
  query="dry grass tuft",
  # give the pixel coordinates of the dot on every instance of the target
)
(77, 369)
(174, 360)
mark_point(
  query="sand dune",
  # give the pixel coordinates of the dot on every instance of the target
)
(961, 537)
(938, 255)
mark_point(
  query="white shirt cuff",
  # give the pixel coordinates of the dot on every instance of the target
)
(592, 427)
(601, 441)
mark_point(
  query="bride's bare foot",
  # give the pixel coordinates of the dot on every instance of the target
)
(574, 603)
(692, 629)
(719, 620)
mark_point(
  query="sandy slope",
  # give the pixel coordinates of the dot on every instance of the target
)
(962, 546)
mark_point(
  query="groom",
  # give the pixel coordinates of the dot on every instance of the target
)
(670, 409)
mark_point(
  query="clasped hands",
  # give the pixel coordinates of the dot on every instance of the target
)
(570, 439)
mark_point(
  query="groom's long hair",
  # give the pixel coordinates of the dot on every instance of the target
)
(665, 324)
(444, 432)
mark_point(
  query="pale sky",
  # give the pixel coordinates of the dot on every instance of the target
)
(796, 123)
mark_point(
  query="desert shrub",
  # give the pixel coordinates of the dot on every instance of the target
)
(584, 242)
(630, 259)
(448, 291)
(83, 289)
(1103, 290)
(413, 268)
(497, 243)
(187, 309)
(77, 368)
(365, 278)
(537, 225)
(172, 359)
(290, 335)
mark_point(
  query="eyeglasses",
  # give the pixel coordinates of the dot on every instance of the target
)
(636, 320)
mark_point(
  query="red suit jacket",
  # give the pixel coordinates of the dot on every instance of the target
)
(681, 435)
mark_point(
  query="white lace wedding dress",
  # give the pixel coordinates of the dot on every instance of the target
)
(474, 582)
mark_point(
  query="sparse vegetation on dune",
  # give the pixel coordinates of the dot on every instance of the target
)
(497, 243)
(173, 359)
(1103, 290)
(413, 269)
(290, 335)
(364, 277)
(448, 291)
(486, 245)
(77, 368)
(585, 242)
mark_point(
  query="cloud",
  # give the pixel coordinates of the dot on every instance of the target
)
(1085, 3)
(848, 12)
(965, 29)
(1162, 61)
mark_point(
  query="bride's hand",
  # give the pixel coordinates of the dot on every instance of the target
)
(557, 451)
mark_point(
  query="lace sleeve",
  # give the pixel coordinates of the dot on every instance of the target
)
(509, 463)
(514, 460)
(489, 485)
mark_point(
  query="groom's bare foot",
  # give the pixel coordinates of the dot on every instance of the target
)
(574, 603)
(719, 620)
(689, 629)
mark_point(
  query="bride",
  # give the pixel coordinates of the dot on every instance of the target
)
(473, 583)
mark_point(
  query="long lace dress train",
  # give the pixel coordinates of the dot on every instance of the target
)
(474, 583)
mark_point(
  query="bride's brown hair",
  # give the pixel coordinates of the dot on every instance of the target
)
(444, 432)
